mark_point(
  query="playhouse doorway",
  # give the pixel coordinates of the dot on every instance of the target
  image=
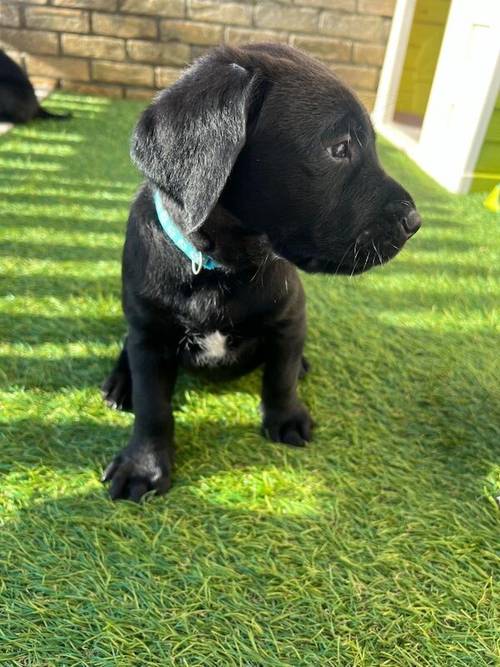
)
(422, 54)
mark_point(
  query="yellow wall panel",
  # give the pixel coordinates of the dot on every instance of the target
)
(421, 57)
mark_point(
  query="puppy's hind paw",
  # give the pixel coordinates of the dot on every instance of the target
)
(117, 391)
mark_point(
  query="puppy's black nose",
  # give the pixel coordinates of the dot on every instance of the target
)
(404, 214)
(411, 222)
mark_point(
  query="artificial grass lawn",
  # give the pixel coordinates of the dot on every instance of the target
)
(375, 545)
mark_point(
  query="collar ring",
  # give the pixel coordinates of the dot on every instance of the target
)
(197, 263)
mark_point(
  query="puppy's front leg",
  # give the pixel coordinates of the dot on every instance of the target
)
(286, 419)
(146, 463)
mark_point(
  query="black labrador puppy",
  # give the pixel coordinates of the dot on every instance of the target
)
(18, 102)
(258, 160)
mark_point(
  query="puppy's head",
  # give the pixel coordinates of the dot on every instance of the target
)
(286, 147)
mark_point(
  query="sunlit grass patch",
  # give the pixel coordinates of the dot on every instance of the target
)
(272, 490)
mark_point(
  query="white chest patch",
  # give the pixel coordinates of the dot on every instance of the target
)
(213, 348)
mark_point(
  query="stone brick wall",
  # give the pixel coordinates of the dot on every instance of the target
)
(130, 48)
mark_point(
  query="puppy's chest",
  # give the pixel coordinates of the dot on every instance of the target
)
(222, 308)
(217, 329)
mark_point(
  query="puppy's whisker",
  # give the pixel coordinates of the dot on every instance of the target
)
(366, 260)
(377, 253)
(342, 259)
(357, 138)
(259, 266)
(355, 260)
(276, 258)
(266, 260)
(354, 268)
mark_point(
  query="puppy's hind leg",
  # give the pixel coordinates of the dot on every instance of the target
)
(117, 388)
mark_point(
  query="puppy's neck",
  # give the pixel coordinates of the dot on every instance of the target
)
(224, 238)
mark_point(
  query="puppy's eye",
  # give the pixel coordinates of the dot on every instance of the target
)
(340, 151)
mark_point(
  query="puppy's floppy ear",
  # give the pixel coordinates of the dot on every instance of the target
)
(188, 140)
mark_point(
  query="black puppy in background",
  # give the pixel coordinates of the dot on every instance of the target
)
(258, 160)
(18, 102)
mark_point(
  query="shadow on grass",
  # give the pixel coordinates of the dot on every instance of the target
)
(61, 286)
(442, 267)
(58, 252)
(90, 223)
(35, 329)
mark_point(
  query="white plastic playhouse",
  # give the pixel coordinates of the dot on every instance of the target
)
(438, 97)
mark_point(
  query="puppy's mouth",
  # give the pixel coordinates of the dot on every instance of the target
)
(366, 251)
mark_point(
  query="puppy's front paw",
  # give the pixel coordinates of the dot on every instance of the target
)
(135, 471)
(292, 426)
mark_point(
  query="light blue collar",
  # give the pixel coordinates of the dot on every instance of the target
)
(198, 260)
